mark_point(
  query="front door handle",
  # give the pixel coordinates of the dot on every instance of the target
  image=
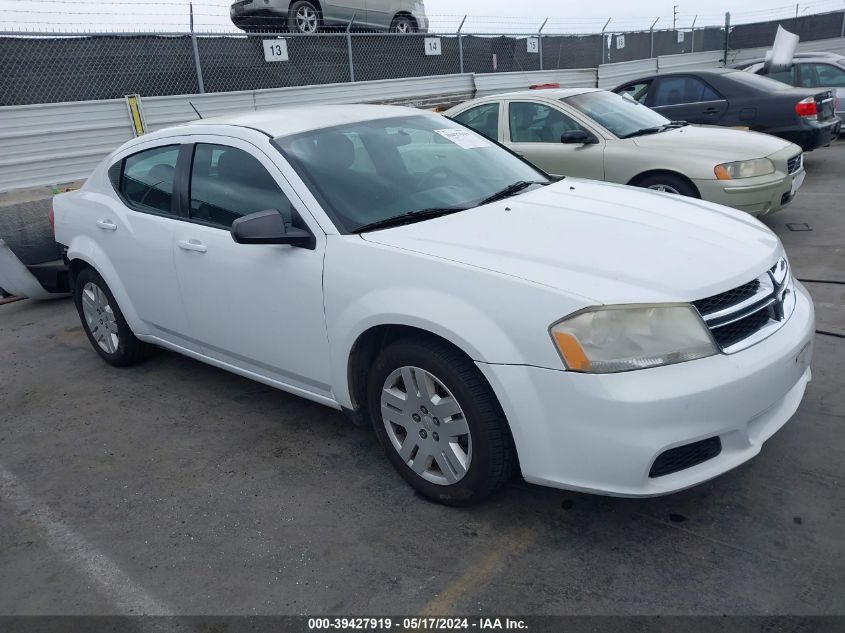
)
(107, 225)
(192, 245)
(711, 110)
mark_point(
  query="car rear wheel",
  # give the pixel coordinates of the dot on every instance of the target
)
(303, 17)
(439, 422)
(668, 183)
(103, 321)
(403, 24)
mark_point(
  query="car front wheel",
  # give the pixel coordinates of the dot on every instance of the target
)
(668, 183)
(103, 321)
(403, 24)
(439, 422)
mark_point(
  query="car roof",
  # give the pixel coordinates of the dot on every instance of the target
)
(547, 93)
(804, 57)
(287, 120)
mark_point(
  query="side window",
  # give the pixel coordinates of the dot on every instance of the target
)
(783, 76)
(828, 75)
(484, 119)
(148, 177)
(637, 91)
(677, 90)
(227, 183)
(537, 123)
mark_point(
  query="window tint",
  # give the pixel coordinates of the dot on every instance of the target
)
(538, 123)
(637, 91)
(785, 76)
(227, 183)
(484, 119)
(674, 90)
(148, 176)
(825, 75)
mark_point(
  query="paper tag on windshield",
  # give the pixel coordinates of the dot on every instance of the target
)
(464, 138)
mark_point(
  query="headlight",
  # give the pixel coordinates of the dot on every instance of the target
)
(610, 339)
(744, 169)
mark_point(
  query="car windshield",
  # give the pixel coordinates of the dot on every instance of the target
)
(620, 115)
(417, 165)
(757, 81)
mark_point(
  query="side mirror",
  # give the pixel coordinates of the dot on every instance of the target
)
(577, 136)
(268, 227)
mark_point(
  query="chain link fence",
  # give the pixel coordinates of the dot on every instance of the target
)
(49, 68)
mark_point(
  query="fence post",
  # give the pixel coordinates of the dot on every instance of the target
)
(349, 48)
(602, 38)
(197, 64)
(540, 41)
(651, 31)
(727, 36)
(692, 50)
(842, 32)
(461, 44)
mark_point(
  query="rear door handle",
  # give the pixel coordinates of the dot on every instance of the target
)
(192, 245)
(711, 110)
(107, 225)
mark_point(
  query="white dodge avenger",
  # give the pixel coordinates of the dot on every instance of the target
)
(484, 317)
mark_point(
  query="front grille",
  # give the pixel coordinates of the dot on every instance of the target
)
(794, 163)
(748, 313)
(687, 456)
(737, 331)
(727, 299)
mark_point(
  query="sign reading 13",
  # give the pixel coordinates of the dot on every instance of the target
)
(275, 50)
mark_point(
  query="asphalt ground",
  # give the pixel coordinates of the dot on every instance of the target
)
(177, 488)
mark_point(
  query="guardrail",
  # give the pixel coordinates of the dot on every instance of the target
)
(48, 144)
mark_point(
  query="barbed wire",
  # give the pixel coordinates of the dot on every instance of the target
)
(213, 16)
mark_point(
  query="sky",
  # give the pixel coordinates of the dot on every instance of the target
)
(491, 16)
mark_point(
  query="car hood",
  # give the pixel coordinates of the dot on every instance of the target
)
(720, 143)
(602, 242)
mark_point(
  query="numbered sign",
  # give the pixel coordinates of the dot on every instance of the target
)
(275, 50)
(432, 46)
(620, 41)
(680, 36)
(533, 44)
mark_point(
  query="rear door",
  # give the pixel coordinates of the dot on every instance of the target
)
(258, 307)
(824, 75)
(380, 13)
(534, 130)
(136, 233)
(687, 98)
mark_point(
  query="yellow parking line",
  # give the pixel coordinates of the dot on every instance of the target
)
(509, 546)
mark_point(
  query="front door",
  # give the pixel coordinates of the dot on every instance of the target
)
(534, 130)
(256, 307)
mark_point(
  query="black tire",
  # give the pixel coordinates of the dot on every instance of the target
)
(493, 455)
(680, 185)
(295, 7)
(399, 21)
(129, 350)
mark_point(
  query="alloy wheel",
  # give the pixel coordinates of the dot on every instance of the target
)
(306, 19)
(404, 26)
(426, 425)
(664, 188)
(100, 317)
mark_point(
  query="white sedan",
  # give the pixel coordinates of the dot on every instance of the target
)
(484, 318)
(597, 134)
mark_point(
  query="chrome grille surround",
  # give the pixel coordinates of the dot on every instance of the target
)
(743, 320)
(795, 163)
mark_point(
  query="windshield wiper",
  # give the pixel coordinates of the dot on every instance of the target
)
(510, 190)
(657, 128)
(644, 131)
(407, 218)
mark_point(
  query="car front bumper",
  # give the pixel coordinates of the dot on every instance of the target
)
(603, 433)
(760, 195)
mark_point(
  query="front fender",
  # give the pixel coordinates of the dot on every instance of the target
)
(447, 316)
